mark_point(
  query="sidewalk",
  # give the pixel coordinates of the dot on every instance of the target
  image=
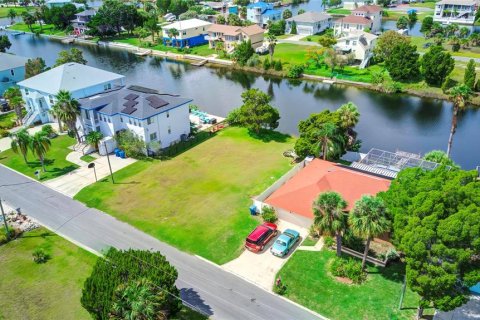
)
(71, 183)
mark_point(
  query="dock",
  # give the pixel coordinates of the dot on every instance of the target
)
(18, 33)
(199, 63)
(329, 81)
(142, 52)
(68, 40)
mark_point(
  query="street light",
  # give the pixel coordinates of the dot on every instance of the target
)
(92, 165)
(7, 234)
(108, 159)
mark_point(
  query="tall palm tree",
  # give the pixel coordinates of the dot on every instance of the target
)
(327, 139)
(329, 216)
(38, 14)
(324, 4)
(93, 138)
(368, 219)
(14, 97)
(39, 145)
(138, 300)
(56, 111)
(349, 115)
(459, 95)
(68, 111)
(12, 14)
(173, 33)
(21, 143)
(272, 43)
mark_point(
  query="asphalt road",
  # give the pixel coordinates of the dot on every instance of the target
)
(214, 291)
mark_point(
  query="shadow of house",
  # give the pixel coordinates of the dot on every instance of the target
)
(193, 298)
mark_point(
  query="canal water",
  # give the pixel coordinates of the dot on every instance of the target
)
(388, 121)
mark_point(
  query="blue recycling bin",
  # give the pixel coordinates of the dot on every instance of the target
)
(116, 151)
(253, 210)
(121, 154)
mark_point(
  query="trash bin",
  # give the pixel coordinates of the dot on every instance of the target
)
(116, 151)
(121, 154)
(253, 210)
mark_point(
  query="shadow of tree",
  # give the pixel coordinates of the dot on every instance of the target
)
(192, 297)
(269, 135)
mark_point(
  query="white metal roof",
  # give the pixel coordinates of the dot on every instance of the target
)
(458, 2)
(69, 76)
(10, 61)
(187, 24)
(310, 17)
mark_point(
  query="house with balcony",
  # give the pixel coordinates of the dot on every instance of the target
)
(191, 33)
(461, 12)
(230, 36)
(149, 114)
(12, 70)
(39, 92)
(309, 23)
(79, 24)
(366, 18)
(360, 44)
(261, 13)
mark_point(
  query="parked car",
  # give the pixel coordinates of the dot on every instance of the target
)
(285, 242)
(261, 50)
(259, 237)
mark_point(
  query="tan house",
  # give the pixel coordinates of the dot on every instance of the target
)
(232, 35)
(366, 18)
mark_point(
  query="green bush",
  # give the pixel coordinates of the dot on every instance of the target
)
(253, 61)
(448, 84)
(40, 256)
(3, 133)
(309, 39)
(295, 71)
(348, 268)
(279, 287)
(328, 241)
(269, 214)
(456, 47)
(233, 117)
(266, 64)
(278, 65)
(6, 236)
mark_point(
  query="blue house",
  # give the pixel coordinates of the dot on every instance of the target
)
(39, 92)
(12, 70)
(191, 33)
(260, 13)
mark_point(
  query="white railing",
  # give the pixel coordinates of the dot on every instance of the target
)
(30, 117)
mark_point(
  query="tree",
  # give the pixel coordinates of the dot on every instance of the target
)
(5, 43)
(287, 14)
(386, 42)
(38, 15)
(60, 17)
(221, 19)
(12, 14)
(332, 58)
(256, 113)
(402, 63)
(329, 216)
(439, 156)
(464, 32)
(427, 24)
(293, 29)
(277, 28)
(74, 55)
(349, 115)
(315, 54)
(436, 224)
(470, 75)
(327, 41)
(271, 43)
(436, 65)
(301, 11)
(326, 136)
(459, 95)
(143, 272)
(93, 138)
(151, 24)
(173, 33)
(67, 109)
(21, 143)
(39, 145)
(163, 5)
(219, 46)
(15, 100)
(402, 22)
(29, 20)
(368, 219)
(178, 7)
(412, 17)
(138, 300)
(34, 66)
(234, 20)
(243, 12)
(243, 52)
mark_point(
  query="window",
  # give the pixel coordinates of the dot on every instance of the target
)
(150, 120)
(12, 72)
(109, 86)
(153, 136)
(105, 87)
(50, 97)
(347, 42)
(130, 121)
(354, 43)
(109, 120)
(121, 119)
(135, 123)
(87, 115)
(168, 114)
(26, 91)
(184, 33)
(169, 130)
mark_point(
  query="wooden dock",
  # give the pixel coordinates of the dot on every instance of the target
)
(142, 52)
(18, 33)
(199, 63)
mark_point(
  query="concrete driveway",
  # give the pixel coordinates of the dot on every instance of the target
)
(261, 268)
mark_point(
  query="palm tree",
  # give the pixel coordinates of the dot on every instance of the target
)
(173, 33)
(38, 14)
(21, 143)
(327, 138)
(349, 115)
(272, 42)
(12, 14)
(14, 97)
(93, 138)
(138, 300)
(459, 96)
(56, 111)
(68, 111)
(28, 19)
(368, 219)
(39, 145)
(219, 46)
(329, 216)
(324, 4)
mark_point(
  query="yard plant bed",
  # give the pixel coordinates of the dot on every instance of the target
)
(309, 283)
(197, 201)
(55, 161)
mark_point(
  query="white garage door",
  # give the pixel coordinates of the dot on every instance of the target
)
(304, 30)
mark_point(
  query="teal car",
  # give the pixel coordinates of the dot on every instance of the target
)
(285, 242)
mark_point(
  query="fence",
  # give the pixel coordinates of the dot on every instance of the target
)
(360, 256)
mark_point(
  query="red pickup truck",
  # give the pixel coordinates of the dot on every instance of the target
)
(259, 237)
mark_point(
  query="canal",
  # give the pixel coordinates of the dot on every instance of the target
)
(388, 121)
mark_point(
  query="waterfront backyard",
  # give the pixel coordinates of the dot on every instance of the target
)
(197, 201)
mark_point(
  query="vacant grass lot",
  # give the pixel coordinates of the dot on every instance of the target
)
(55, 161)
(310, 284)
(48, 29)
(202, 50)
(43, 291)
(5, 10)
(197, 201)
(472, 52)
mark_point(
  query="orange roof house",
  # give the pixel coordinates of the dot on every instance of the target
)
(298, 193)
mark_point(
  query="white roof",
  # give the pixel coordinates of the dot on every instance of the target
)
(358, 34)
(187, 24)
(59, 1)
(458, 2)
(69, 76)
(10, 61)
(310, 17)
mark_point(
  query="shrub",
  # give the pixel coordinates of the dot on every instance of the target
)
(266, 64)
(6, 236)
(328, 241)
(279, 287)
(253, 61)
(269, 214)
(314, 232)
(295, 71)
(49, 131)
(278, 65)
(448, 84)
(456, 47)
(392, 87)
(348, 268)
(233, 117)
(309, 39)
(134, 146)
(3, 133)
(40, 256)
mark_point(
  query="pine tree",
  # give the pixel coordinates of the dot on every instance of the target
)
(469, 76)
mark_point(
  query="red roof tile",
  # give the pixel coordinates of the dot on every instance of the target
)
(355, 19)
(298, 193)
(368, 8)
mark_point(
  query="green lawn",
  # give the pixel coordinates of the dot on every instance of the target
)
(4, 11)
(56, 162)
(473, 52)
(7, 120)
(197, 201)
(309, 242)
(313, 39)
(429, 4)
(43, 291)
(339, 11)
(309, 283)
(394, 15)
(48, 29)
(291, 53)
(87, 158)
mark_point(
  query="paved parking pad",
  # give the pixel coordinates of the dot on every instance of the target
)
(261, 268)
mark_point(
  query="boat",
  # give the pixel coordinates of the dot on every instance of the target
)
(142, 53)
(199, 63)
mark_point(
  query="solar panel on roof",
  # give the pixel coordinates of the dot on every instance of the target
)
(131, 96)
(129, 110)
(130, 103)
(156, 102)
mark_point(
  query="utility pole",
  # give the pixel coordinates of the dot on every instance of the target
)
(108, 159)
(7, 234)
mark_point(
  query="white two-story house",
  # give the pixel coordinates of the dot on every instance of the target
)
(261, 13)
(461, 12)
(151, 115)
(360, 44)
(366, 18)
(39, 92)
